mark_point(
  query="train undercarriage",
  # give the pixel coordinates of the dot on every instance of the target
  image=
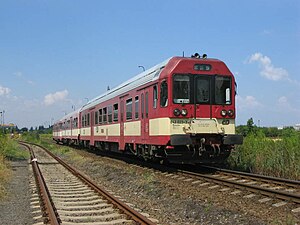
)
(207, 149)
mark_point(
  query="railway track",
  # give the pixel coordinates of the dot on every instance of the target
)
(277, 191)
(266, 187)
(69, 197)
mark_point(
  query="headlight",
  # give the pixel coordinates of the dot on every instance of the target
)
(176, 112)
(225, 122)
(223, 112)
(230, 113)
(184, 112)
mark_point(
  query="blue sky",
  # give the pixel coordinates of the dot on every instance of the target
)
(56, 54)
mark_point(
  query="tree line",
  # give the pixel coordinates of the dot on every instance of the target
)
(271, 132)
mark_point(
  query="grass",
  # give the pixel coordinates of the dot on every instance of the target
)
(259, 154)
(5, 174)
(9, 150)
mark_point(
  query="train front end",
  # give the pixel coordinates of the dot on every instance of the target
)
(201, 112)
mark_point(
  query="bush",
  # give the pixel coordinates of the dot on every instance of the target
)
(274, 157)
(10, 149)
(32, 136)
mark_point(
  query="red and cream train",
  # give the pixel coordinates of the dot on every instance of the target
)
(181, 110)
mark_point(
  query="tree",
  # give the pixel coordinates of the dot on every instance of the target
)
(24, 129)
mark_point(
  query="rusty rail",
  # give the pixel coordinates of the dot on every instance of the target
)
(131, 213)
(49, 214)
(295, 198)
(278, 180)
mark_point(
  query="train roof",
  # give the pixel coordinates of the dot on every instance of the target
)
(69, 115)
(138, 80)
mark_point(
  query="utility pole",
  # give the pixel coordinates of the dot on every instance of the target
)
(2, 120)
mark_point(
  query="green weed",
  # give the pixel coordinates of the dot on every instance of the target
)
(259, 154)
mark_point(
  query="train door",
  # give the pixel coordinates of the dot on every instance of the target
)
(71, 127)
(145, 116)
(121, 141)
(202, 96)
(92, 119)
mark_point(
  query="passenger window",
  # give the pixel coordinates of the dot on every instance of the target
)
(136, 107)
(104, 120)
(96, 117)
(142, 106)
(129, 109)
(164, 94)
(146, 104)
(100, 116)
(88, 119)
(109, 113)
(155, 96)
(122, 110)
(116, 112)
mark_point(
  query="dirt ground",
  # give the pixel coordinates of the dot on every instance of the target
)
(15, 206)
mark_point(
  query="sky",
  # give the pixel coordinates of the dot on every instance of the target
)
(55, 55)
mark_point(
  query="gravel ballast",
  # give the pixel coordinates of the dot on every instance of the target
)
(165, 199)
(174, 201)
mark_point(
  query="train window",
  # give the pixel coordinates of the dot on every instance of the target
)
(202, 89)
(222, 90)
(100, 116)
(96, 117)
(82, 121)
(122, 110)
(88, 119)
(146, 105)
(136, 107)
(155, 96)
(142, 106)
(104, 120)
(116, 112)
(129, 109)
(109, 109)
(164, 94)
(202, 67)
(181, 88)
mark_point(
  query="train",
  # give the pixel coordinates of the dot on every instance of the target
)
(180, 111)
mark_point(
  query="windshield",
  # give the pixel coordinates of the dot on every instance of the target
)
(201, 89)
(181, 91)
(222, 90)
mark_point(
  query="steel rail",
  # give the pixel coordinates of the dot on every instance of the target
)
(52, 217)
(261, 190)
(293, 183)
(134, 215)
